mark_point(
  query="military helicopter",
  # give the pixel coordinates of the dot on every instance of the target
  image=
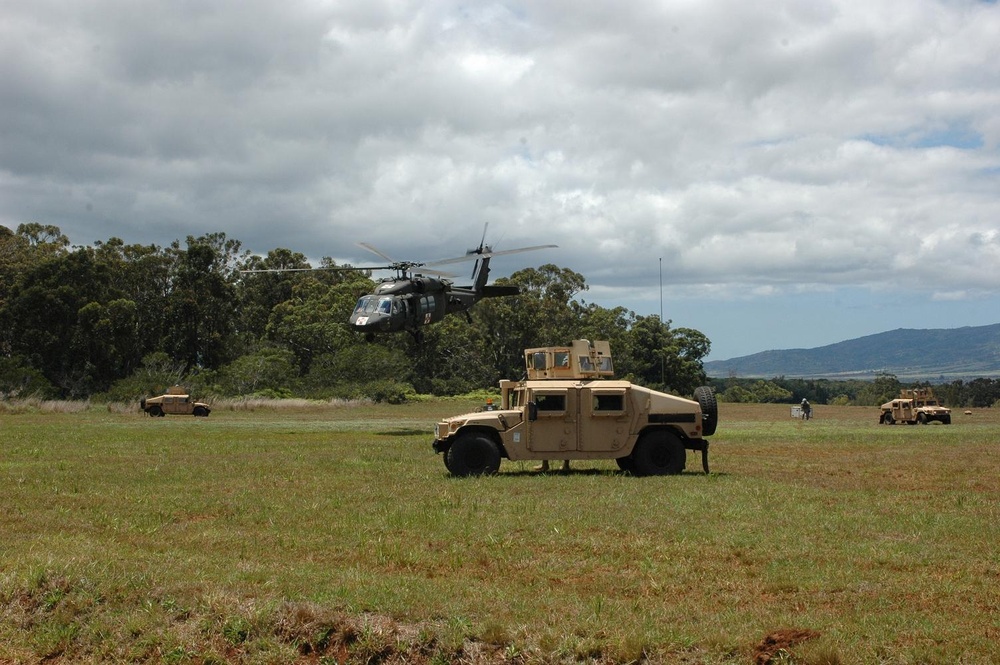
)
(419, 296)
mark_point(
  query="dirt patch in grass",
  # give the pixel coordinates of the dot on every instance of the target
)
(780, 642)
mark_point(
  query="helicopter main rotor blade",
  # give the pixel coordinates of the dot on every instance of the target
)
(473, 256)
(399, 266)
(403, 266)
(376, 251)
(321, 268)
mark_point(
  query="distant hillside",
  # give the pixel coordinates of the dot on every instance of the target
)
(956, 353)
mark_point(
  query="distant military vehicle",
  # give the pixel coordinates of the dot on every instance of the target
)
(568, 407)
(913, 406)
(176, 401)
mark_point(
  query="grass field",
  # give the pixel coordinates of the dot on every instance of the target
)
(334, 534)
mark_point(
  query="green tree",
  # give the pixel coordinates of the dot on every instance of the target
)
(981, 392)
(613, 325)
(156, 373)
(542, 315)
(259, 293)
(738, 395)
(268, 369)
(143, 276)
(769, 392)
(20, 255)
(18, 380)
(201, 306)
(359, 364)
(668, 359)
(313, 321)
(44, 314)
(452, 359)
(884, 388)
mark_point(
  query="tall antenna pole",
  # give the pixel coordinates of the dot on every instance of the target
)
(663, 375)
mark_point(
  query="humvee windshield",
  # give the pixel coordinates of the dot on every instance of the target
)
(516, 398)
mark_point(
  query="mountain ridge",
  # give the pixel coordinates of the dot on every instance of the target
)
(909, 353)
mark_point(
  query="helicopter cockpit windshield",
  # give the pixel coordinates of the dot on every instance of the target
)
(370, 304)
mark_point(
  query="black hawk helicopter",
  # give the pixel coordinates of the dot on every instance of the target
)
(413, 299)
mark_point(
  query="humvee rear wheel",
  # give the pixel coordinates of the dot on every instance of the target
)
(659, 453)
(473, 455)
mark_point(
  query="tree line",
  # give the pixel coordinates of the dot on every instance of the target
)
(118, 321)
(980, 392)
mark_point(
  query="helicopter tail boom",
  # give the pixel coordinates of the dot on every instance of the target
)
(493, 291)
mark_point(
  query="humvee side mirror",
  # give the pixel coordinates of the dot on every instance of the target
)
(532, 411)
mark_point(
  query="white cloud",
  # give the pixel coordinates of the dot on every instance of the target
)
(758, 149)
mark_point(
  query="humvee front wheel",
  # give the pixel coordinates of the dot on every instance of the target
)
(200, 412)
(659, 453)
(922, 418)
(473, 455)
(447, 464)
(156, 411)
(626, 463)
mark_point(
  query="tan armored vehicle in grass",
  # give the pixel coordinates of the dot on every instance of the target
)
(568, 407)
(175, 401)
(913, 406)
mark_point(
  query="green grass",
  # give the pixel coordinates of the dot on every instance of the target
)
(335, 534)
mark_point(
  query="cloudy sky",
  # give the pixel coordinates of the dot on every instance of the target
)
(776, 174)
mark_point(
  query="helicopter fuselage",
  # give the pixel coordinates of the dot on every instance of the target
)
(407, 304)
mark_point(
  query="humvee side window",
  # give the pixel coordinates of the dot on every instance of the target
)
(609, 402)
(551, 402)
(605, 364)
(562, 359)
(538, 361)
(586, 365)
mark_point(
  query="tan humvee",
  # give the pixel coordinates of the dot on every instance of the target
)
(569, 408)
(175, 401)
(914, 405)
